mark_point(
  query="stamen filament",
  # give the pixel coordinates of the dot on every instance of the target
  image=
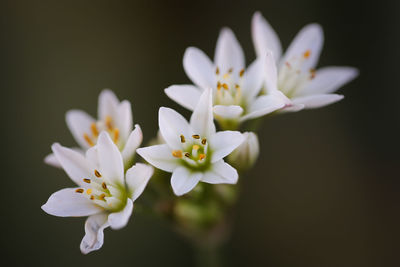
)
(88, 139)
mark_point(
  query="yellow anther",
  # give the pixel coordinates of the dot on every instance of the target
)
(230, 70)
(204, 141)
(89, 191)
(91, 197)
(177, 153)
(226, 87)
(196, 147)
(109, 123)
(217, 71)
(226, 76)
(307, 54)
(219, 85)
(87, 139)
(187, 154)
(241, 73)
(79, 190)
(313, 73)
(182, 138)
(237, 86)
(116, 135)
(202, 156)
(94, 130)
(102, 196)
(196, 136)
(86, 180)
(96, 172)
(104, 185)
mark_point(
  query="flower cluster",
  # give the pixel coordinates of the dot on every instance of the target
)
(197, 152)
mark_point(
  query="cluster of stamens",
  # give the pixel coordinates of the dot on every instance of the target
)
(292, 77)
(228, 87)
(96, 127)
(194, 150)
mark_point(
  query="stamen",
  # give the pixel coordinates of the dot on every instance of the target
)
(86, 180)
(202, 156)
(226, 87)
(241, 73)
(96, 172)
(182, 138)
(217, 71)
(109, 123)
(196, 147)
(187, 155)
(177, 153)
(226, 76)
(313, 73)
(237, 86)
(102, 196)
(230, 70)
(219, 85)
(94, 129)
(204, 141)
(307, 54)
(79, 190)
(196, 136)
(116, 135)
(87, 139)
(89, 191)
(104, 185)
(91, 197)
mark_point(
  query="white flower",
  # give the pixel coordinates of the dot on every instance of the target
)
(236, 90)
(104, 194)
(114, 117)
(299, 84)
(193, 151)
(247, 153)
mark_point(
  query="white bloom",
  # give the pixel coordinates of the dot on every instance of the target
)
(247, 153)
(236, 90)
(193, 151)
(104, 194)
(299, 84)
(114, 117)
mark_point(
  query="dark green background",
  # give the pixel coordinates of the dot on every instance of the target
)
(325, 191)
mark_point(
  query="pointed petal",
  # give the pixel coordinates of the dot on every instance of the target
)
(172, 126)
(317, 101)
(264, 37)
(182, 180)
(160, 156)
(118, 220)
(110, 160)
(74, 164)
(202, 118)
(123, 120)
(228, 53)
(133, 142)
(271, 73)
(263, 105)
(66, 203)
(52, 161)
(79, 123)
(311, 39)
(94, 236)
(228, 112)
(137, 178)
(185, 95)
(199, 68)
(253, 78)
(108, 104)
(327, 80)
(223, 143)
(221, 173)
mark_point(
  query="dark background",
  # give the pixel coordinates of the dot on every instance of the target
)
(325, 191)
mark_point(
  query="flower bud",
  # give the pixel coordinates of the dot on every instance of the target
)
(246, 154)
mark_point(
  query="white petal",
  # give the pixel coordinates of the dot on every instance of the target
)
(108, 104)
(317, 101)
(223, 143)
(123, 120)
(110, 160)
(172, 126)
(199, 68)
(228, 53)
(52, 161)
(92, 156)
(117, 220)
(79, 123)
(134, 141)
(137, 178)
(182, 180)
(202, 118)
(228, 112)
(67, 203)
(264, 37)
(310, 38)
(271, 73)
(74, 164)
(253, 78)
(221, 173)
(160, 156)
(327, 80)
(263, 105)
(94, 236)
(185, 95)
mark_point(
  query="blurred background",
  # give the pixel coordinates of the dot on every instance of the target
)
(326, 189)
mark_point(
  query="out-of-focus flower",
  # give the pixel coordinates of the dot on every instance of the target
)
(114, 117)
(298, 83)
(246, 154)
(235, 90)
(105, 193)
(193, 151)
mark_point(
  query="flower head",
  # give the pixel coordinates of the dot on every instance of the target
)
(114, 117)
(193, 151)
(293, 76)
(104, 193)
(235, 89)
